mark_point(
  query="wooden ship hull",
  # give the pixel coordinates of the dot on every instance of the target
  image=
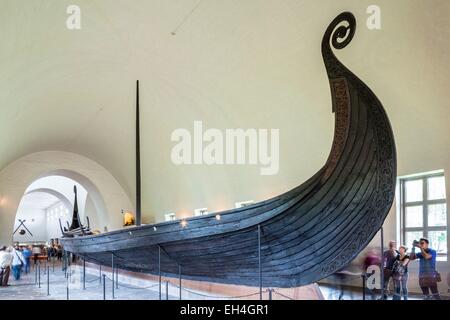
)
(296, 238)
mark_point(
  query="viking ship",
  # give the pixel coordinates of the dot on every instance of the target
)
(293, 239)
(76, 228)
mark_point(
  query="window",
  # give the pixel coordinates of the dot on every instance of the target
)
(200, 212)
(243, 204)
(423, 208)
(170, 217)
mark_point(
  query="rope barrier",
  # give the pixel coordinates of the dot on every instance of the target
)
(284, 296)
(93, 286)
(108, 277)
(345, 277)
(138, 288)
(23, 284)
(92, 280)
(217, 297)
(134, 288)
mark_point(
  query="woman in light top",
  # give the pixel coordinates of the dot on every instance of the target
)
(400, 274)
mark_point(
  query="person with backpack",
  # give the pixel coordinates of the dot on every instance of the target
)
(17, 263)
(5, 265)
(400, 274)
(27, 255)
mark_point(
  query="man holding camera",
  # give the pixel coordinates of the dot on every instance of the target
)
(427, 268)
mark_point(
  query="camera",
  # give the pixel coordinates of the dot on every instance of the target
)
(415, 243)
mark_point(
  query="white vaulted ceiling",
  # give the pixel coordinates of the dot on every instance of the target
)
(37, 201)
(231, 64)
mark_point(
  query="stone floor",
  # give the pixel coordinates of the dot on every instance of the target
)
(27, 289)
(331, 292)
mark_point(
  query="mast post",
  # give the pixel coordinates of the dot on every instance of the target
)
(138, 160)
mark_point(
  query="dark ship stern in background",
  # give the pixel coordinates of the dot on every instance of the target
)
(76, 228)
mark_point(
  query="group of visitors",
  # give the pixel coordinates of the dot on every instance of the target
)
(18, 259)
(12, 259)
(396, 262)
(50, 252)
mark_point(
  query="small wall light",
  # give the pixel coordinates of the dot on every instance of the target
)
(183, 223)
(217, 216)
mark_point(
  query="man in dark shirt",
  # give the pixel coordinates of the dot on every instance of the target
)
(389, 257)
(427, 269)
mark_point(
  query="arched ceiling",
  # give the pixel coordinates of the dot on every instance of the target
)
(249, 64)
(37, 201)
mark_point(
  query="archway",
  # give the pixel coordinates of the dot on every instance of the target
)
(47, 201)
(105, 195)
(58, 195)
(32, 218)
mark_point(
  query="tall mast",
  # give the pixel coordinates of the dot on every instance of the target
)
(138, 160)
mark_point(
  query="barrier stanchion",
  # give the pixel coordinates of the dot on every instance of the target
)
(104, 287)
(67, 287)
(159, 270)
(39, 275)
(112, 275)
(259, 262)
(364, 286)
(117, 277)
(179, 275)
(167, 290)
(48, 281)
(383, 293)
(65, 264)
(84, 274)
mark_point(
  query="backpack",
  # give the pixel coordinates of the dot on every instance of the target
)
(20, 259)
(399, 269)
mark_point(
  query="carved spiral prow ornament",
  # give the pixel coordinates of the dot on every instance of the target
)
(345, 32)
(339, 34)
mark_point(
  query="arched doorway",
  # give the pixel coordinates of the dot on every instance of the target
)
(105, 197)
(32, 224)
(46, 201)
